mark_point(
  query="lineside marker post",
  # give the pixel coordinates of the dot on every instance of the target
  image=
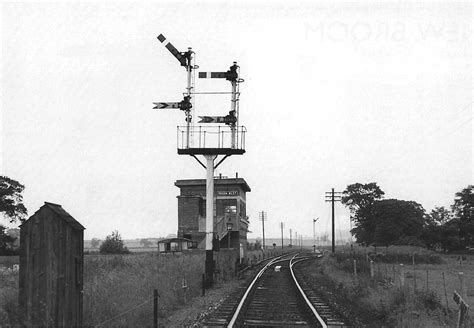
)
(461, 281)
(402, 275)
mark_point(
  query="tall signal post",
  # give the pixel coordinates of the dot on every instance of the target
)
(314, 234)
(333, 196)
(196, 141)
(263, 218)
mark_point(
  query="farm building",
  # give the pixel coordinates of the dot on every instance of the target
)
(51, 268)
(230, 219)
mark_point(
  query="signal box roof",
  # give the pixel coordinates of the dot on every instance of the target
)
(217, 181)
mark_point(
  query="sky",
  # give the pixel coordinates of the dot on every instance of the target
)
(335, 93)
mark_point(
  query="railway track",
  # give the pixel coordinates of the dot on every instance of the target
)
(276, 296)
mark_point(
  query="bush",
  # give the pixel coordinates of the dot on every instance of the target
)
(113, 244)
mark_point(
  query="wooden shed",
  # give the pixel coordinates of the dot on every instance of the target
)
(51, 268)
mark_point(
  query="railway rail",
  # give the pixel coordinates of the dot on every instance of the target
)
(277, 296)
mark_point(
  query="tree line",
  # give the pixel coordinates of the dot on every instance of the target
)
(383, 222)
(377, 221)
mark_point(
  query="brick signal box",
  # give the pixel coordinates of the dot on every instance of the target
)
(230, 219)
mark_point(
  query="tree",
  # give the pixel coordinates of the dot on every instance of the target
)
(436, 227)
(397, 221)
(113, 244)
(463, 209)
(438, 216)
(6, 242)
(11, 199)
(11, 208)
(360, 199)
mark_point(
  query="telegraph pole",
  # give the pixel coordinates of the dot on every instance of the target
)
(263, 218)
(281, 224)
(333, 196)
(290, 236)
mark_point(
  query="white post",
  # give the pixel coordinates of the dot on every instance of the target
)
(233, 108)
(209, 200)
(189, 113)
(402, 275)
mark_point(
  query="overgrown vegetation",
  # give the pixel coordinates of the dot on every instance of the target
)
(382, 301)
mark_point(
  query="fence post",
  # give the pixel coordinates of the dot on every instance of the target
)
(414, 275)
(402, 275)
(184, 286)
(463, 309)
(155, 308)
(445, 292)
(427, 281)
(355, 268)
(203, 284)
(371, 269)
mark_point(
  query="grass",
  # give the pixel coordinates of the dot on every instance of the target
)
(382, 300)
(118, 289)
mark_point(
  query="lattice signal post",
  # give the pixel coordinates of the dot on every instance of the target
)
(225, 139)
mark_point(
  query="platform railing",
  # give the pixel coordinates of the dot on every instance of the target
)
(211, 137)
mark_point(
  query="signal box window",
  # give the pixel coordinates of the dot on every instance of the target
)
(230, 209)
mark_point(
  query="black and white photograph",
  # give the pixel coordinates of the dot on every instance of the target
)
(236, 163)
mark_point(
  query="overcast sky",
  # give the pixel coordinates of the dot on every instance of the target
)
(334, 93)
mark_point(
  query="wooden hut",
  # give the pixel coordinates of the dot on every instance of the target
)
(51, 268)
(175, 245)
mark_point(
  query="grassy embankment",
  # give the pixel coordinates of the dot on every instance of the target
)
(425, 300)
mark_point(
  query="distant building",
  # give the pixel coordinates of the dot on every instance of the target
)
(175, 245)
(230, 219)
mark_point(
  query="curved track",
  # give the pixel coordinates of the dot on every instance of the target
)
(275, 297)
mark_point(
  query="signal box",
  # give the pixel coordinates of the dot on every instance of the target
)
(230, 219)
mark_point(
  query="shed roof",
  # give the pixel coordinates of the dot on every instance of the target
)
(170, 240)
(61, 213)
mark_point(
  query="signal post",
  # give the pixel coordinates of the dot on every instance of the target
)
(225, 139)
